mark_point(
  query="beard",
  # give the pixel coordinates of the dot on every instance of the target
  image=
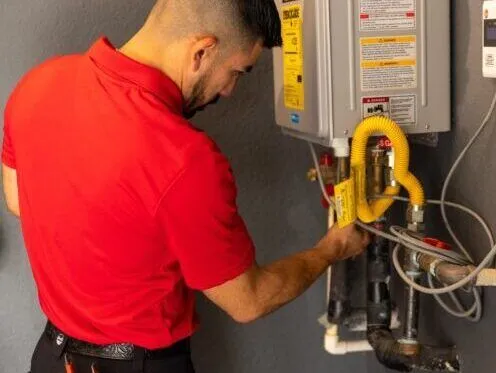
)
(197, 100)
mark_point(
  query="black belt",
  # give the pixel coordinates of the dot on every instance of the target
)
(119, 351)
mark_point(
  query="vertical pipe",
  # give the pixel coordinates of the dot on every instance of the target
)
(411, 318)
(410, 331)
(378, 273)
(378, 163)
(409, 344)
(339, 290)
(378, 266)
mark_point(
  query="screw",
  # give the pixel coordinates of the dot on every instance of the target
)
(346, 132)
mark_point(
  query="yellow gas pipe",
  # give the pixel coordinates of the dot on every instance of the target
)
(369, 213)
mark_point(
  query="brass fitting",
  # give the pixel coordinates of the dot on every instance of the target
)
(378, 163)
(312, 175)
(409, 348)
(445, 272)
(415, 218)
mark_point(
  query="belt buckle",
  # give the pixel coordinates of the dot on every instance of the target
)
(121, 351)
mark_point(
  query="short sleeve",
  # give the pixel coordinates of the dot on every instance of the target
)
(202, 225)
(8, 156)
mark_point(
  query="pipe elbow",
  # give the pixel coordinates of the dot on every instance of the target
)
(368, 127)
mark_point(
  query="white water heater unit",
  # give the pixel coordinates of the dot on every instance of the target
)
(345, 60)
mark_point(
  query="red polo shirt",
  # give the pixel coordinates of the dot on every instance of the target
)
(126, 208)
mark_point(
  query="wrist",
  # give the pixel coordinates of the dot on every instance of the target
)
(327, 255)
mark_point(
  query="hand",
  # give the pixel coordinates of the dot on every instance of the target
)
(340, 244)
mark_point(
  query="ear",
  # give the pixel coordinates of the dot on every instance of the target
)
(204, 50)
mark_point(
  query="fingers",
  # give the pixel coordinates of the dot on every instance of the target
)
(364, 235)
(366, 238)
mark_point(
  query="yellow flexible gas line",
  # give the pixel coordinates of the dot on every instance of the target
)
(369, 213)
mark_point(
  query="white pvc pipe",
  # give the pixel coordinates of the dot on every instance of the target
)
(487, 277)
(334, 346)
(332, 343)
(341, 147)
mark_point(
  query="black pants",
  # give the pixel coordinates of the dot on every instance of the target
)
(47, 358)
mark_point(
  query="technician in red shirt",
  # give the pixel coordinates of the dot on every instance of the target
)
(126, 208)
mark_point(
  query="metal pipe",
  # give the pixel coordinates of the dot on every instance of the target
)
(445, 272)
(409, 341)
(343, 172)
(448, 273)
(378, 162)
(405, 355)
(431, 359)
(410, 331)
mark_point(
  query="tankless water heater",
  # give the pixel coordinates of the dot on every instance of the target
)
(345, 60)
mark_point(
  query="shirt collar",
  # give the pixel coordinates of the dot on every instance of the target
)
(105, 55)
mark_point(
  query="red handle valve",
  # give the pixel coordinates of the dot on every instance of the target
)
(437, 243)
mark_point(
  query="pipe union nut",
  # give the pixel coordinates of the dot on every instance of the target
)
(415, 215)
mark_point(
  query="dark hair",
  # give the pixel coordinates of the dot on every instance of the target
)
(261, 19)
(230, 20)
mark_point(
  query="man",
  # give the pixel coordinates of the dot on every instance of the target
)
(127, 209)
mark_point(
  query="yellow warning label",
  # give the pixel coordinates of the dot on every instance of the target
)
(345, 203)
(374, 64)
(292, 34)
(391, 39)
(388, 62)
(358, 175)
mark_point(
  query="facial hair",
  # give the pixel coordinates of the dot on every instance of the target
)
(194, 104)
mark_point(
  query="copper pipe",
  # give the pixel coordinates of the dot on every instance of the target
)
(445, 272)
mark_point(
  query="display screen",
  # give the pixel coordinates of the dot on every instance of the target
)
(490, 33)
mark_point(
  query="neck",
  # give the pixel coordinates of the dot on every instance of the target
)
(146, 49)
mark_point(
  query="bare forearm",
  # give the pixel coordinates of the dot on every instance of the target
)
(262, 290)
(281, 282)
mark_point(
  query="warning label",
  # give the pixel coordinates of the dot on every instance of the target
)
(402, 108)
(375, 106)
(388, 63)
(383, 15)
(345, 203)
(292, 33)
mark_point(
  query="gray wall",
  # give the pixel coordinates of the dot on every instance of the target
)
(281, 208)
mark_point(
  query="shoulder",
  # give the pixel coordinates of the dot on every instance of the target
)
(40, 76)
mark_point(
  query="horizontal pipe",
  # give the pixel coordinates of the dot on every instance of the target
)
(357, 320)
(334, 346)
(393, 355)
(445, 272)
(487, 277)
(406, 355)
